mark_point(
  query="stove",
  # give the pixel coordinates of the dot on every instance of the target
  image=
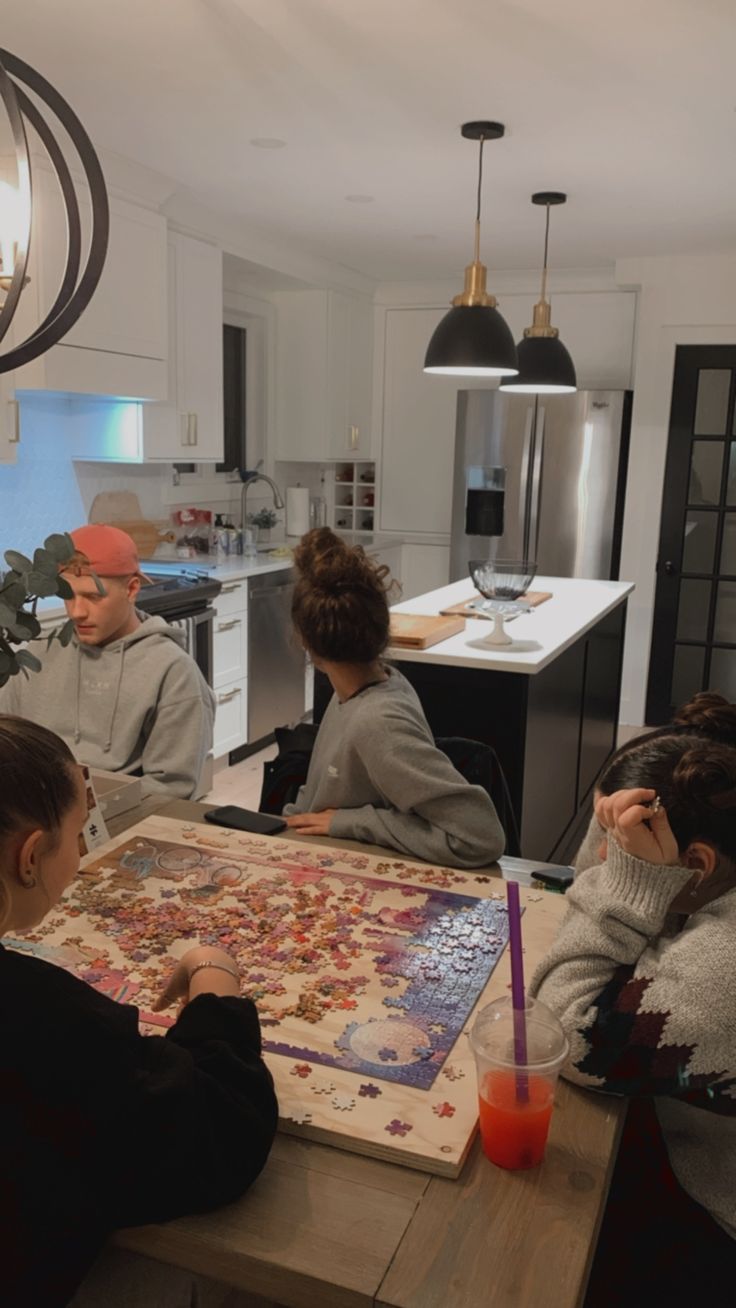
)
(184, 600)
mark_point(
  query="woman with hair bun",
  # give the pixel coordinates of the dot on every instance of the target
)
(642, 978)
(707, 715)
(376, 774)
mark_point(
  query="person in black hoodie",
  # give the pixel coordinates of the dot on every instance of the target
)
(102, 1127)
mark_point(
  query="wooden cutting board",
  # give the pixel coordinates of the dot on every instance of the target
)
(532, 597)
(419, 630)
(146, 535)
(115, 506)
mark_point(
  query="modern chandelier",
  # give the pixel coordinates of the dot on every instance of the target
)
(473, 340)
(79, 280)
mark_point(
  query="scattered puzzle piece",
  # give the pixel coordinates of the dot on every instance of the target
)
(387, 1055)
(343, 1103)
(301, 1119)
(326, 1089)
(395, 1127)
(444, 1110)
(301, 1069)
(453, 1073)
(369, 1091)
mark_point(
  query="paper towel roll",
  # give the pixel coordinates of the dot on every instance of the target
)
(297, 510)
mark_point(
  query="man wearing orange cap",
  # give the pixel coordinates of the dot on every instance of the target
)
(123, 694)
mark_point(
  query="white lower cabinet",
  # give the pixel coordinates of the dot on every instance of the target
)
(230, 667)
(231, 718)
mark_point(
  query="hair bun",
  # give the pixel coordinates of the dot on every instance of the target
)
(711, 714)
(706, 776)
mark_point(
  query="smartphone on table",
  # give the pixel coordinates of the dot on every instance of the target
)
(244, 819)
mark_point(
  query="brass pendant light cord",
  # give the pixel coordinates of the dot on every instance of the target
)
(476, 256)
(546, 248)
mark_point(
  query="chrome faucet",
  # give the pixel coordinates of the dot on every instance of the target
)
(278, 502)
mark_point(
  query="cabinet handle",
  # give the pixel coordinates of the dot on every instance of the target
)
(192, 429)
(184, 419)
(228, 626)
(13, 422)
(229, 590)
(354, 437)
(230, 694)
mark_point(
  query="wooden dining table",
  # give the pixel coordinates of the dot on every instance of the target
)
(324, 1228)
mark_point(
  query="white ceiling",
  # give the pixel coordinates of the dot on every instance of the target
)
(629, 107)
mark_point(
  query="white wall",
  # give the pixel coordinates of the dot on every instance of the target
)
(682, 301)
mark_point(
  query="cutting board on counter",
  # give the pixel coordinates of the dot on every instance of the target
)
(532, 598)
(419, 630)
(122, 509)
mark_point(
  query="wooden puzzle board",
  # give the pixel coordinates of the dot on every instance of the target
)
(365, 970)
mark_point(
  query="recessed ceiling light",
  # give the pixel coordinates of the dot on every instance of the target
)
(360, 199)
(268, 143)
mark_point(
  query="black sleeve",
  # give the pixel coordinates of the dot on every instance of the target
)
(201, 1116)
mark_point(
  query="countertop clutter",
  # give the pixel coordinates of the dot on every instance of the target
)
(538, 637)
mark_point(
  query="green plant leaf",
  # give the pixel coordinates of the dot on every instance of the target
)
(65, 633)
(12, 591)
(26, 626)
(18, 562)
(41, 585)
(44, 561)
(25, 659)
(61, 546)
(7, 613)
(63, 589)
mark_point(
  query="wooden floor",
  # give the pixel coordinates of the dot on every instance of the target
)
(242, 783)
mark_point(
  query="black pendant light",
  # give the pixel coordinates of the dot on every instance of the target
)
(545, 366)
(78, 281)
(473, 340)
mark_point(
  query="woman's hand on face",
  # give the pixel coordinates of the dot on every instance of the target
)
(639, 830)
(312, 824)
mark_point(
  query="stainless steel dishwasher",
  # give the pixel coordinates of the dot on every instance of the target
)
(276, 659)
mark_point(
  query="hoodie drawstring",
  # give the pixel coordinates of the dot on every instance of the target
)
(77, 727)
(108, 742)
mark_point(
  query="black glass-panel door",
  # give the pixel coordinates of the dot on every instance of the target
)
(694, 633)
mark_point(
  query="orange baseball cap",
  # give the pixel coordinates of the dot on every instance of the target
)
(109, 551)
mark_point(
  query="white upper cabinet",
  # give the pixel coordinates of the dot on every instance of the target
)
(324, 375)
(190, 428)
(9, 419)
(119, 345)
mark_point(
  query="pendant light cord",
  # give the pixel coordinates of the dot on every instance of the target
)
(477, 207)
(546, 248)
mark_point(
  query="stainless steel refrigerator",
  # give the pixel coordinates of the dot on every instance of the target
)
(540, 478)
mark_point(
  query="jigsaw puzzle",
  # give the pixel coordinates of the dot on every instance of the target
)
(365, 970)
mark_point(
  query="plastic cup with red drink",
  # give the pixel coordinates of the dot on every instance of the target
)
(515, 1097)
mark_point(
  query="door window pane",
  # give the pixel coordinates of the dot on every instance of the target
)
(705, 472)
(723, 672)
(711, 405)
(700, 542)
(692, 615)
(687, 673)
(731, 488)
(728, 545)
(725, 626)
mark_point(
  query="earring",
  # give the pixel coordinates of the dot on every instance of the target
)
(29, 883)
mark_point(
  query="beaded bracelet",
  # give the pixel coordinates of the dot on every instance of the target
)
(220, 966)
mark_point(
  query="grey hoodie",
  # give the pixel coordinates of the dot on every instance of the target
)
(375, 761)
(138, 705)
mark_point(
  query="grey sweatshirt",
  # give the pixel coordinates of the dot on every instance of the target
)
(649, 1007)
(139, 704)
(375, 761)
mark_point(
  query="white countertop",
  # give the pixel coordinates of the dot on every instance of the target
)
(538, 637)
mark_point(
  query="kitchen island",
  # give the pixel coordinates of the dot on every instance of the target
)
(547, 704)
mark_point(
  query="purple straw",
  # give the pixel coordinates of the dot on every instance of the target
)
(517, 989)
